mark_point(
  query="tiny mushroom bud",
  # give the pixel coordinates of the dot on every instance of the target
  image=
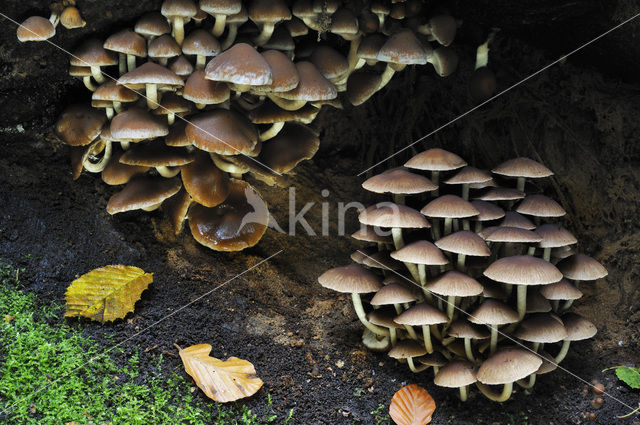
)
(71, 18)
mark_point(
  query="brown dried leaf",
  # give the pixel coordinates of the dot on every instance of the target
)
(412, 405)
(222, 381)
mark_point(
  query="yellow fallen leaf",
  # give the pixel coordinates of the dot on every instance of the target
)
(412, 405)
(107, 293)
(221, 381)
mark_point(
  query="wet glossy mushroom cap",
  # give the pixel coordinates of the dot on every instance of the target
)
(223, 132)
(493, 312)
(293, 144)
(554, 236)
(381, 260)
(454, 283)
(79, 125)
(436, 160)
(206, 184)
(443, 28)
(312, 85)
(369, 234)
(351, 279)
(542, 328)
(508, 365)
(200, 42)
(284, 72)
(523, 270)
(469, 175)
(164, 47)
(562, 290)
(578, 328)
(127, 42)
(464, 242)
(455, 374)
(522, 167)
(405, 349)
(421, 314)
(344, 23)
(143, 192)
(181, 66)
(36, 28)
(268, 11)
(361, 86)
(116, 173)
(152, 24)
(137, 124)
(223, 7)
(393, 293)
(205, 92)
(177, 135)
(185, 9)
(487, 211)
(370, 46)
(582, 267)
(112, 92)
(177, 209)
(269, 113)
(502, 194)
(393, 215)
(237, 223)
(420, 252)
(173, 104)
(368, 22)
(79, 71)
(398, 181)
(331, 63)
(241, 64)
(513, 234)
(540, 206)
(449, 206)
(404, 48)
(91, 53)
(463, 329)
(156, 154)
(514, 219)
(444, 60)
(150, 73)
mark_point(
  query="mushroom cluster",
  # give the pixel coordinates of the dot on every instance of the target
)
(206, 93)
(468, 277)
(37, 28)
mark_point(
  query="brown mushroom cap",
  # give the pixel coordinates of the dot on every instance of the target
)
(181, 66)
(382, 318)
(561, 290)
(370, 46)
(463, 329)
(202, 91)
(313, 86)
(127, 42)
(542, 328)
(284, 72)
(407, 348)
(173, 103)
(421, 314)
(292, 145)
(508, 365)
(156, 154)
(206, 184)
(540, 206)
(582, 267)
(523, 270)
(393, 215)
(554, 236)
(449, 206)
(237, 223)
(223, 7)
(200, 42)
(164, 46)
(352, 279)
(359, 255)
(578, 328)
(143, 192)
(361, 86)
(177, 209)
(381, 260)
(420, 252)
(512, 234)
(268, 11)
(241, 64)
(454, 283)
(331, 63)
(522, 167)
(399, 181)
(269, 113)
(404, 48)
(369, 234)
(493, 312)
(150, 73)
(36, 28)
(502, 194)
(464, 242)
(222, 131)
(152, 24)
(443, 28)
(137, 124)
(393, 293)
(79, 125)
(469, 175)
(114, 93)
(91, 53)
(487, 211)
(455, 374)
(116, 173)
(177, 135)
(179, 8)
(514, 219)
(344, 23)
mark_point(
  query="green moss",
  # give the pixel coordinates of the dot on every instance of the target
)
(73, 382)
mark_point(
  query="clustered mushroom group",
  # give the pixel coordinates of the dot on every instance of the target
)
(476, 283)
(208, 92)
(38, 28)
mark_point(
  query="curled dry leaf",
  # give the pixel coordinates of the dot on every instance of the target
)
(222, 381)
(412, 405)
(107, 293)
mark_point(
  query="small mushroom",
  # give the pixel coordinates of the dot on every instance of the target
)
(153, 78)
(35, 28)
(504, 368)
(435, 160)
(457, 374)
(92, 54)
(493, 313)
(578, 328)
(220, 10)
(143, 192)
(128, 45)
(425, 316)
(71, 18)
(178, 12)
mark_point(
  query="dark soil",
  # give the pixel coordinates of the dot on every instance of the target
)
(304, 340)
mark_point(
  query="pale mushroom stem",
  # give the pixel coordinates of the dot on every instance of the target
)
(479, 226)
(447, 225)
(393, 334)
(124, 145)
(201, 61)
(398, 240)
(171, 118)
(463, 393)
(131, 62)
(435, 178)
(54, 19)
(528, 384)
(109, 112)
(122, 64)
(164, 61)
(265, 35)
(520, 184)
(504, 396)
(522, 301)
(465, 224)
(465, 191)
(555, 305)
(413, 367)
(451, 305)
(563, 351)
(435, 229)
(531, 251)
(97, 74)
(494, 339)
(88, 83)
(426, 335)
(152, 207)
(468, 350)
(385, 77)
(287, 105)
(151, 94)
(435, 332)
(178, 30)
(117, 106)
(398, 198)
(566, 306)
(461, 265)
(168, 172)
(357, 305)
(546, 255)
(352, 57)
(456, 225)
(97, 167)
(231, 37)
(218, 27)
